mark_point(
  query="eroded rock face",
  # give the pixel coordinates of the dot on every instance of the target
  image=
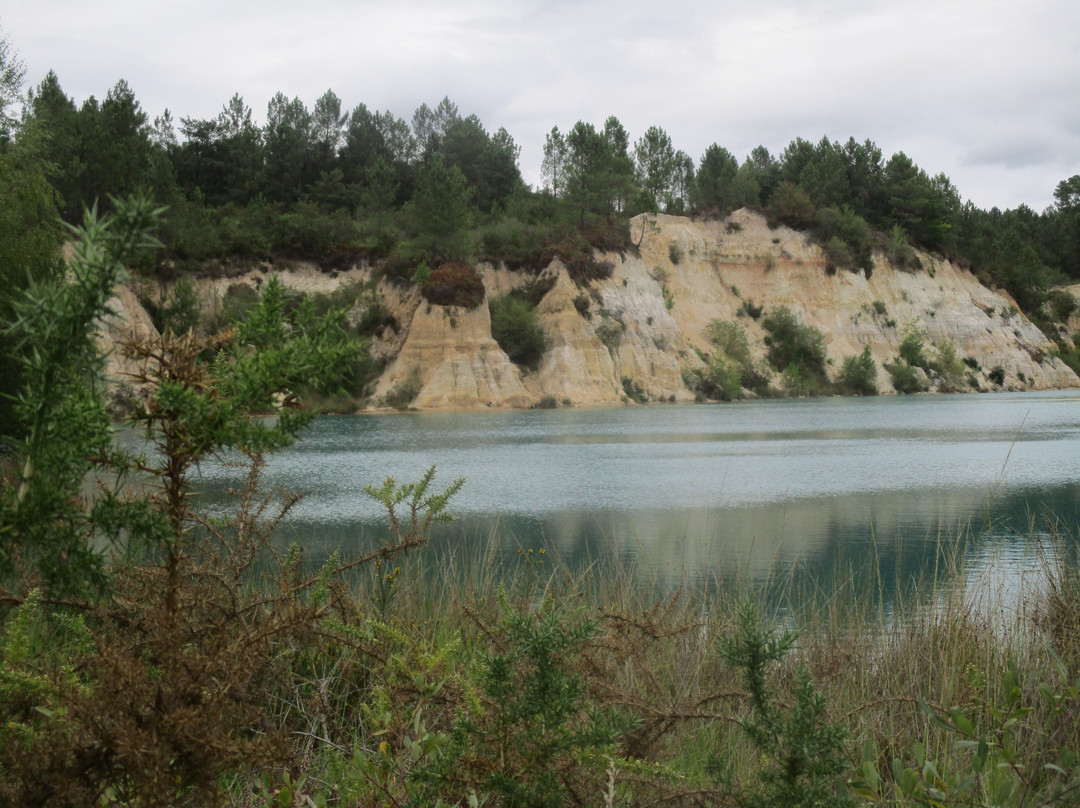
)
(129, 319)
(648, 321)
(451, 360)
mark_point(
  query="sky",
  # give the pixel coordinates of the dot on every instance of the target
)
(986, 92)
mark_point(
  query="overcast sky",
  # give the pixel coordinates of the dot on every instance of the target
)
(986, 92)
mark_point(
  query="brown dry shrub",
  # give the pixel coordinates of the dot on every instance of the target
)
(454, 284)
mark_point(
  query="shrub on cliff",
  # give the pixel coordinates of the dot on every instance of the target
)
(454, 284)
(858, 375)
(793, 344)
(515, 326)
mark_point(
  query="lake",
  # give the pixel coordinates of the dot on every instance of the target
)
(696, 493)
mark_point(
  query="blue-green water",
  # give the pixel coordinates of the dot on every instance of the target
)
(688, 493)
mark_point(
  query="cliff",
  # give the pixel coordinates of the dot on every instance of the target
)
(654, 311)
(647, 321)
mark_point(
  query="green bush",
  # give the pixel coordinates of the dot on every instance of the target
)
(719, 380)
(634, 391)
(792, 344)
(730, 338)
(904, 378)
(802, 754)
(1061, 304)
(610, 331)
(179, 310)
(539, 729)
(849, 242)
(516, 327)
(911, 346)
(858, 375)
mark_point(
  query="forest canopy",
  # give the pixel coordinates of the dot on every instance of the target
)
(336, 185)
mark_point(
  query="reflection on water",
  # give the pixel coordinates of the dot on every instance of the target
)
(700, 492)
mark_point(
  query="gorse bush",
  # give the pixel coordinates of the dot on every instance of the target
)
(804, 753)
(539, 734)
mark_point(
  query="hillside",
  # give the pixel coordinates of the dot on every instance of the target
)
(644, 330)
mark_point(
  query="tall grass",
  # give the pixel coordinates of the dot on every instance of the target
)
(892, 674)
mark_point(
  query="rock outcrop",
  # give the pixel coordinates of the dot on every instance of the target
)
(449, 359)
(641, 327)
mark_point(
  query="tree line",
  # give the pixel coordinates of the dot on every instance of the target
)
(335, 185)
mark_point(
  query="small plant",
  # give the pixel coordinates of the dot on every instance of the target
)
(858, 375)
(796, 346)
(547, 403)
(634, 391)
(804, 755)
(610, 331)
(911, 346)
(581, 303)
(904, 378)
(516, 327)
(879, 308)
(538, 729)
(403, 395)
(669, 297)
(422, 274)
(750, 309)
(675, 253)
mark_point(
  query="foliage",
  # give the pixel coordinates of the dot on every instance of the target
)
(847, 237)
(633, 390)
(795, 348)
(719, 380)
(610, 330)
(804, 753)
(538, 727)
(29, 256)
(454, 284)
(912, 345)
(858, 375)
(1061, 304)
(904, 378)
(152, 698)
(516, 327)
(44, 524)
(179, 310)
(730, 338)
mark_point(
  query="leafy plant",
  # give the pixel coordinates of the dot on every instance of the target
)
(516, 327)
(634, 391)
(795, 346)
(804, 753)
(858, 375)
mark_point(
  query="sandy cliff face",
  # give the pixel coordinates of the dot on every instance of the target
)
(644, 322)
(647, 321)
(740, 259)
(450, 360)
